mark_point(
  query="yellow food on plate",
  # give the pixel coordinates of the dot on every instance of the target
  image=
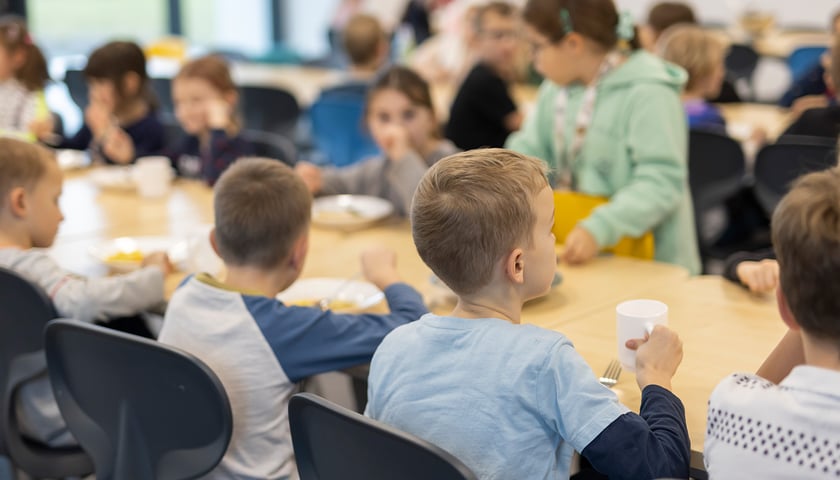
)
(333, 305)
(130, 256)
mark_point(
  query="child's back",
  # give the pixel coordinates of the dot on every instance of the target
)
(259, 347)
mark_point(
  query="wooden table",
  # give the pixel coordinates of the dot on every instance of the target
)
(776, 43)
(741, 118)
(723, 327)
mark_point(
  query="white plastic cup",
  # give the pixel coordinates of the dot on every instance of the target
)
(634, 318)
(152, 176)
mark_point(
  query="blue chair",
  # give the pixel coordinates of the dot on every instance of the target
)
(332, 443)
(803, 59)
(140, 408)
(24, 313)
(338, 126)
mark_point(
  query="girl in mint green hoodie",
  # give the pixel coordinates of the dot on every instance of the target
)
(609, 122)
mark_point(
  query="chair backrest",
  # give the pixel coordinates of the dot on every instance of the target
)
(76, 86)
(163, 91)
(779, 164)
(141, 409)
(741, 61)
(271, 145)
(338, 128)
(802, 59)
(269, 109)
(332, 442)
(24, 311)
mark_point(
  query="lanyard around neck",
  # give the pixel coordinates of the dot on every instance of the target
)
(567, 152)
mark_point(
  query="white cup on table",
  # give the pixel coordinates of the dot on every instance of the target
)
(152, 176)
(633, 319)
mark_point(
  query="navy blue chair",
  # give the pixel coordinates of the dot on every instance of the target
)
(141, 409)
(269, 109)
(332, 443)
(778, 165)
(76, 84)
(24, 311)
(271, 145)
(741, 62)
(337, 119)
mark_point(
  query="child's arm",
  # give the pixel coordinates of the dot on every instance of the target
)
(757, 271)
(362, 178)
(89, 299)
(787, 354)
(224, 150)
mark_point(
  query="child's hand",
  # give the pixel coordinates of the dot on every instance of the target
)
(759, 277)
(98, 118)
(159, 260)
(311, 176)
(379, 266)
(218, 114)
(759, 136)
(395, 142)
(118, 146)
(657, 357)
(580, 246)
(43, 128)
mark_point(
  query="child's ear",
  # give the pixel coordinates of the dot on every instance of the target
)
(18, 203)
(213, 242)
(784, 310)
(515, 266)
(298, 254)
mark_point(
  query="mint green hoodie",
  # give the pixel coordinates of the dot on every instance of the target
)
(634, 153)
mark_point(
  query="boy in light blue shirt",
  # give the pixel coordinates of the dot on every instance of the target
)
(511, 400)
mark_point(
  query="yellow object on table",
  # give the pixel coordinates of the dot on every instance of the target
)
(572, 207)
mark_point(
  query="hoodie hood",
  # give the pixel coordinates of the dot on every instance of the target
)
(644, 67)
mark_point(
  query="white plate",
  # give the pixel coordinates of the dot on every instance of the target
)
(113, 177)
(349, 211)
(178, 251)
(72, 159)
(308, 291)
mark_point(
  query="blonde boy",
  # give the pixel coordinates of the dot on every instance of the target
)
(259, 347)
(30, 185)
(757, 429)
(366, 45)
(511, 400)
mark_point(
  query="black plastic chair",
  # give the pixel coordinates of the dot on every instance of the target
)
(163, 91)
(77, 87)
(271, 145)
(332, 442)
(270, 109)
(24, 311)
(716, 170)
(741, 61)
(778, 165)
(140, 408)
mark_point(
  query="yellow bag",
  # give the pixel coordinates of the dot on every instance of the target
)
(572, 207)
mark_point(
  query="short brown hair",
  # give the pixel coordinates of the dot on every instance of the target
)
(502, 9)
(667, 14)
(696, 50)
(113, 61)
(14, 37)
(261, 208)
(471, 209)
(806, 238)
(362, 38)
(22, 164)
(211, 68)
(596, 20)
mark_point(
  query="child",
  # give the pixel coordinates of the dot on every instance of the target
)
(30, 184)
(205, 104)
(822, 121)
(23, 75)
(701, 54)
(510, 400)
(366, 45)
(402, 122)
(756, 428)
(259, 347)
(758, 271)
(608, 122)
(483, 113)
(121, 123)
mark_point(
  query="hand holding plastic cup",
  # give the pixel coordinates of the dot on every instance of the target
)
(634, 318)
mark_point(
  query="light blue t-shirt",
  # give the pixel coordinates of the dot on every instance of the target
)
(510, 401)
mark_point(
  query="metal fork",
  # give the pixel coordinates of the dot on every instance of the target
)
(611, 374)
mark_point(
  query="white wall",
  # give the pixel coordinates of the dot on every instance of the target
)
(306, 24)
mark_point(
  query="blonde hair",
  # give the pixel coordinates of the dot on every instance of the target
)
(471, 209)
(22, 164)
(261, 208)
(806, 238)
(696, 50)
(362, 38)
